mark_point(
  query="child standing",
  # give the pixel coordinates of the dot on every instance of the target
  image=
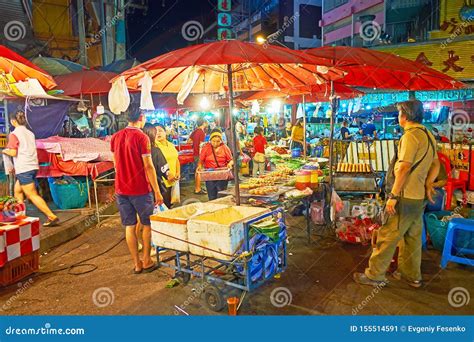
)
(259, 144)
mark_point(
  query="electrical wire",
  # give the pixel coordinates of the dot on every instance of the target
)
(83, 263)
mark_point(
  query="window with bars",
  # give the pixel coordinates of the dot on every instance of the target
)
(332, 4)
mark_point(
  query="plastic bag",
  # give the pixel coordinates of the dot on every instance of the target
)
(175, 194)
(337, 205)
(159, 208)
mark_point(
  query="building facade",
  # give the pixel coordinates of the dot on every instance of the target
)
(293, 23)
(51, 28)
(438, 33)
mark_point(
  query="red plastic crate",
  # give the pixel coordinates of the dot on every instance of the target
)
(19, 268)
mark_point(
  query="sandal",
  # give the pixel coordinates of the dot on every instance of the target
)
(135, 271)
(150, 269)
(51, 223)
(201, 192)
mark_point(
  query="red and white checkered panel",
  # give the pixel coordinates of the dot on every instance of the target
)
(19, 238)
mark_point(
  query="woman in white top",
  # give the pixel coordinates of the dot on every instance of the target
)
(22, 147)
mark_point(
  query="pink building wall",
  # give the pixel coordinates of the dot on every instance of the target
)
(344, 11)
(346, 31)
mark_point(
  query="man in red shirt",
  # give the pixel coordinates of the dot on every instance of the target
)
(197, 137)
(135, 180)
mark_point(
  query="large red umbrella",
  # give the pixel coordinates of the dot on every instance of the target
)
(22, 69)
(228, 66)
(376, 69)
(85, 82)
(253, 67)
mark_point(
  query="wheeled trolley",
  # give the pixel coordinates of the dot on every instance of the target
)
(261, 256)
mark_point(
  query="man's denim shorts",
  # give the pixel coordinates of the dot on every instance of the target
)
(26, 178)
(131, 206)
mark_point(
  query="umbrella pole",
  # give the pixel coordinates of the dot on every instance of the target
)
(234, 137)
(177, 130)
(304, 128)
(331, 138)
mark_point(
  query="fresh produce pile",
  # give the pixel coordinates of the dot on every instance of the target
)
(10, 209)
(254, 183)
(7, 203)
(350, 167)
(263, 190)
(280, 150)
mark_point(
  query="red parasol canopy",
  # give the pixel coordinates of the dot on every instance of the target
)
(85, 82)
(314, 93)
(376, 69)
(192, 103)
(21, 69)
(254, 67)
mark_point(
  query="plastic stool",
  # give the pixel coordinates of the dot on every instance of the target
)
(460, 225)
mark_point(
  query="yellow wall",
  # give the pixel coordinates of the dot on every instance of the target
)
(443, 41)
(449, 9)
(438, 53)
(52, 24)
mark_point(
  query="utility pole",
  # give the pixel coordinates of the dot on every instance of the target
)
(103, 29)
(120, 48)
(82, 33)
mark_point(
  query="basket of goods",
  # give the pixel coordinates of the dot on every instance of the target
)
(11, 210)
(216, 174)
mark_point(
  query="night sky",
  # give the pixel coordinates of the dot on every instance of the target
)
(160, 30)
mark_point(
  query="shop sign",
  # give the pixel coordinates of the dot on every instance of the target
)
(224, 33)
(224, 5)
(224, 19)
(385, 99)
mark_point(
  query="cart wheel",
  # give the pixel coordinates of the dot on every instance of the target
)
(213, 298)
(183, 277)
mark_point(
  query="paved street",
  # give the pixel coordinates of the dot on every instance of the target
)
(318, 280)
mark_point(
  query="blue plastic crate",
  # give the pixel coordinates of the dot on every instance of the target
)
(437, 231)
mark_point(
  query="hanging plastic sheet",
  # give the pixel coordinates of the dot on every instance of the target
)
(44, 121)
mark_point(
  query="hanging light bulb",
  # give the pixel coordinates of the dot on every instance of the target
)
(100, 108)
(255, 107)
(205, 104)
(276, 104)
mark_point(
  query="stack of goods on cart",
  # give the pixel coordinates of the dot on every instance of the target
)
(437, 223)
(11, 210)
(357, 220)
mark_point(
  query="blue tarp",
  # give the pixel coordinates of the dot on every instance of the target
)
(44, 121)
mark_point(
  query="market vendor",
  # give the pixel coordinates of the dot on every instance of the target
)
(345, 133)
(297, 135)
(197, 138)
(22, 148)
(214, 155)
(368, 129)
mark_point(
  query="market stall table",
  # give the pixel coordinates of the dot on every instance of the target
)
(19, 246)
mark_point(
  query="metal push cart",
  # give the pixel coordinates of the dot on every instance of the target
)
(220, 278)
